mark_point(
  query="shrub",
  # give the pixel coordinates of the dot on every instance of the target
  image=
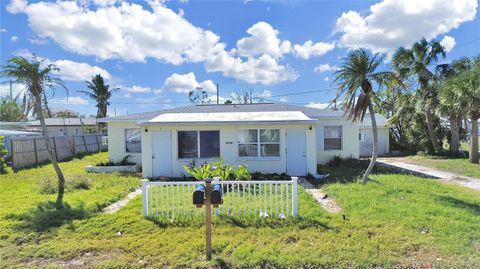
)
(272, 176)
(223, 171)
(47, 186)
(78, 182)
(335, 161)
(199, 172)
(124, 161)
(3, 156)
(241, 172)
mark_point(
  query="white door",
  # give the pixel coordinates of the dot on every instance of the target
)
(161, 153)
(296, 155)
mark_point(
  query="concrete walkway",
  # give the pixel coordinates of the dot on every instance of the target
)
(322, 198)
(119, 204)
(469, 182)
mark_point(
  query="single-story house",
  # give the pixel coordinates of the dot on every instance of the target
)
(63, 126)
(366, 136)
(270, 138)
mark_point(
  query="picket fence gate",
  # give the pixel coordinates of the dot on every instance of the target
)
(173, 200)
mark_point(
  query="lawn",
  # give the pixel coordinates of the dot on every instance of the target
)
(455, 165)
(393, 221)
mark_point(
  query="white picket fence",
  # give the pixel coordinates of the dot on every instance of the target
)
(174, 200)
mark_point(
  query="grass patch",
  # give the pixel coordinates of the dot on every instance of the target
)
(455, 165)
(393, 221)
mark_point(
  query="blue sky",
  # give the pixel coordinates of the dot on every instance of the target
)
(155, 52)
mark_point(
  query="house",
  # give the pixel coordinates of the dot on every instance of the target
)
(366, 136)
(64, 126)
(271, 138)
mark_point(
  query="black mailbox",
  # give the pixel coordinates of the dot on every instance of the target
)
(217, 194)
(199, 195)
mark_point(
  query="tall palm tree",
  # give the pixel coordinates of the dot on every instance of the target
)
(355, 79)
(100, 92)
(38, 78)
(463, 91)
(415, 61)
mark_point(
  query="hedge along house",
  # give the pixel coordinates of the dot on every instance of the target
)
(270, 138)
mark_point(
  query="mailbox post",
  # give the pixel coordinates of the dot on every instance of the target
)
(208, 195)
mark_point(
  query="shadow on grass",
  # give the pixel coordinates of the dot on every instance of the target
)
(457, 203)
(244, 221)
(48, 215)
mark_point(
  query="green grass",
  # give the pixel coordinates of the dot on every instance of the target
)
(456, 165)
(383, 228)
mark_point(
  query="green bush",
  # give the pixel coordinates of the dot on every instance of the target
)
(336, 161)
(3, 156)
(124, 161)
(49, 185)
(223, 171)
(241, 172)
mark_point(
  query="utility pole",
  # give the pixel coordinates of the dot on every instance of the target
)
(11, 92)
(218, 94)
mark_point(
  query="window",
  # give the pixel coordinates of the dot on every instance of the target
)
(332, 138)
(133, 140)
(198, 144)
(262, 143)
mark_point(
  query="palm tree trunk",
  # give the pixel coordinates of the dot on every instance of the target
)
(430, 129)
(51, 154)
(455, 122)
(474, 138)
(375, 144)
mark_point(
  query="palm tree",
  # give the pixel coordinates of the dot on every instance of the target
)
(354, 79)
(415, 61)
(100, 92)
(38, 78)
(463, 91)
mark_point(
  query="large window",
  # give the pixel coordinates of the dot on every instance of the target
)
(133, 140)
(332, 138)
(198, 144)
(262, 143)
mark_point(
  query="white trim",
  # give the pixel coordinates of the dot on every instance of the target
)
(259, 144)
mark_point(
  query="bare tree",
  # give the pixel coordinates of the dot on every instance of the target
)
(246, 96)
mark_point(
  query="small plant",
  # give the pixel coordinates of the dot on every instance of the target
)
(223, 171)
(47, 186)
(3, 156)
(199, 172)
(335, 161)
(78, 182)
(242, 173)
(123, 162)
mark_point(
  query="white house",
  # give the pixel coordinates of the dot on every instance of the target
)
(366, 136)
(270, 138)
(63, 126)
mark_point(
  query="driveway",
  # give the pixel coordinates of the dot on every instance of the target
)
(469, 182)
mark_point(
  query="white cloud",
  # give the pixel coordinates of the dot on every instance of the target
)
(16, 89)
(266, 94)
(16, 6)
(262, 40)
(448, 43)
(323, 68)
(317, 105)
(3, 30)
(75, 71)
(38, 41)
(184, 83)
(326, 79)
(126, 31)
(73, 100)
(394, 23)
(137, 89)
(309, 49)
(14, 38)
(265, 69)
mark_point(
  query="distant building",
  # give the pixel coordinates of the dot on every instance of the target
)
(9, 134)
(64, 126)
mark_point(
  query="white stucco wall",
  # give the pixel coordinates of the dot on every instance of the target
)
(350, 143)
(116, 142)
(229, 147)
(383, 141)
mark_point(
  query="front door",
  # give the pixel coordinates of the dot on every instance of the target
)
(161, 153)
(296, 157)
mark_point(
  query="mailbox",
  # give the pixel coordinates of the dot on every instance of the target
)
(217, 194)
(199, 195)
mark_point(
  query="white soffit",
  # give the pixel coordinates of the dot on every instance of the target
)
(232, 117)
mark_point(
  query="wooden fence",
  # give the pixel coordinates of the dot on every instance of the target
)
(30, 151)
(173, 200)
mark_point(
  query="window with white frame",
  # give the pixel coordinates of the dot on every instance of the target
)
(332, 137)
(198, 144)
(260, 143)
(133, 140)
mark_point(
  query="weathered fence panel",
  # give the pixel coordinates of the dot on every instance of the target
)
(173, 200)
(31, 151)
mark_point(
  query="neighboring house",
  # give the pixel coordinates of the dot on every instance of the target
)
(9, 134)
(270, 138)
(366, 136)
(64, 126)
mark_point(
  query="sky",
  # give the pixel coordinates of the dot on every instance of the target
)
(155, 52)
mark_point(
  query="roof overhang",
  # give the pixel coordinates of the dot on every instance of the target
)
(268, 117)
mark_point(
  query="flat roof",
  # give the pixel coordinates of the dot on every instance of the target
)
(230, 117)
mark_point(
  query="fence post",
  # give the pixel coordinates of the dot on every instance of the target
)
(98, 142)
(85, 144)
(144, 197)
(294, 196)
(35, 150)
